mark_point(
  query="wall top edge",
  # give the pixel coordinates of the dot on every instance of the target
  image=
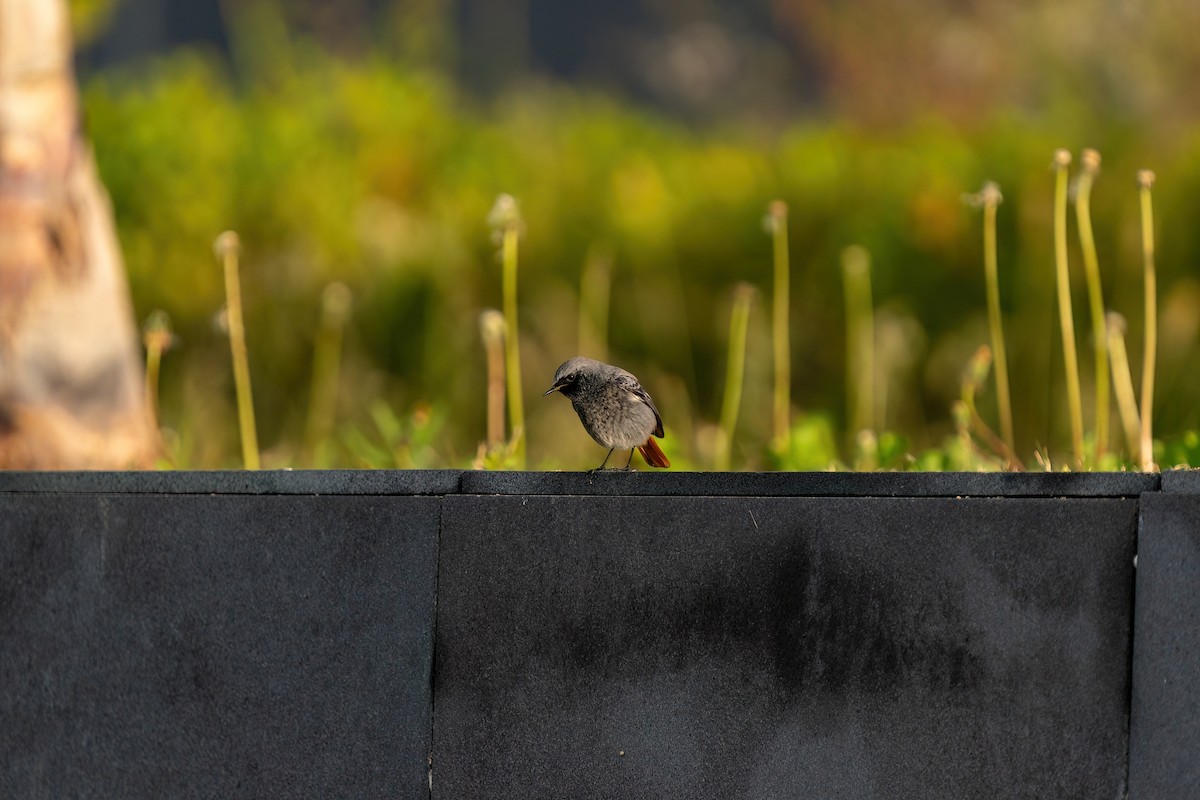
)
(700, 484)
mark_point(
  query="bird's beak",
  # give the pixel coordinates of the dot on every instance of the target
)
(553, 389)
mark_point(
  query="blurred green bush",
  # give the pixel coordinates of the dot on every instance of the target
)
(380, 174)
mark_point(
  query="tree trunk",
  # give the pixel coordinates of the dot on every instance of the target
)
(71, 387)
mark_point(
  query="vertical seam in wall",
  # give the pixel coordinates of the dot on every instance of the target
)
(1137, 539)
(437, 571)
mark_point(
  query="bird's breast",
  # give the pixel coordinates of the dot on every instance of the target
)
(615, 419)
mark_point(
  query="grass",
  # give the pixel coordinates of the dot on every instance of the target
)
(1150, 283)
(776, 224)
(406, 440)
(157, 339)
(860, 339)
(1123, 382)
(336, 301)
(735, 371)
(227, 248)
(491, 327)
(990, 198)
(1090, 161)
(1062, 160)
(506, 221)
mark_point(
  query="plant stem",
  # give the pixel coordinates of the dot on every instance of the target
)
(1091, 167)
(326, 371)
(735, 370)
(157, 338)
(153, 359)
(1062, 159)
(860, 338)
(491, 324)
(507, 216)
(991, 200)
(1145, 182)
(777, 223)
(1123, 382)
(227, 247)
(974, 376)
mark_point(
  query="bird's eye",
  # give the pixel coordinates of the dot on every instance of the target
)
(572, 377)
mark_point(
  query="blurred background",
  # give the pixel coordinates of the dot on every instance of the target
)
(363, 143)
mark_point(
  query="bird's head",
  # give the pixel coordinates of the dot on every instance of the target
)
(570, 375)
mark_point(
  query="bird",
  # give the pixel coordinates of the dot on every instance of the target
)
(613, 407)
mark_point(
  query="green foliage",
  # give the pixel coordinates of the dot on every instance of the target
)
(396, 442)
(810, 445)
(380, 174)
(1182, 451)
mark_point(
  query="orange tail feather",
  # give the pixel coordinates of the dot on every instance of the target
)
(653, 454)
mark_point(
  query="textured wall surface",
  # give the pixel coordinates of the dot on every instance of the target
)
(1164, 754)
(612, 647)
(619, 635)
(215, 646)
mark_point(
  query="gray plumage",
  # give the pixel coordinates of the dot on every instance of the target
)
(612, 405)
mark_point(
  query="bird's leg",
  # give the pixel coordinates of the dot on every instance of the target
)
(629, 463)
(605, 461)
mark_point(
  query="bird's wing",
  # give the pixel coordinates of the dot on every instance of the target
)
(644, 396)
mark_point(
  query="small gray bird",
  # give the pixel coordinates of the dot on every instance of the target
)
(613, 407)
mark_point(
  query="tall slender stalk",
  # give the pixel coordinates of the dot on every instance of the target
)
(1123, 383)
(1062, 159)
(491, 325)
(974, 377)
(735, 370)
(326, 370)
(1145, 182)
(227, 247)
(157, 337)
(1090, 160)
(991, 199)
(506, 218)
(777, 216)
(860, 338)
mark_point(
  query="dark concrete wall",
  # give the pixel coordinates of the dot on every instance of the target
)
(1164, 754)
(614, 635)
(215, 646)
(609, 647)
